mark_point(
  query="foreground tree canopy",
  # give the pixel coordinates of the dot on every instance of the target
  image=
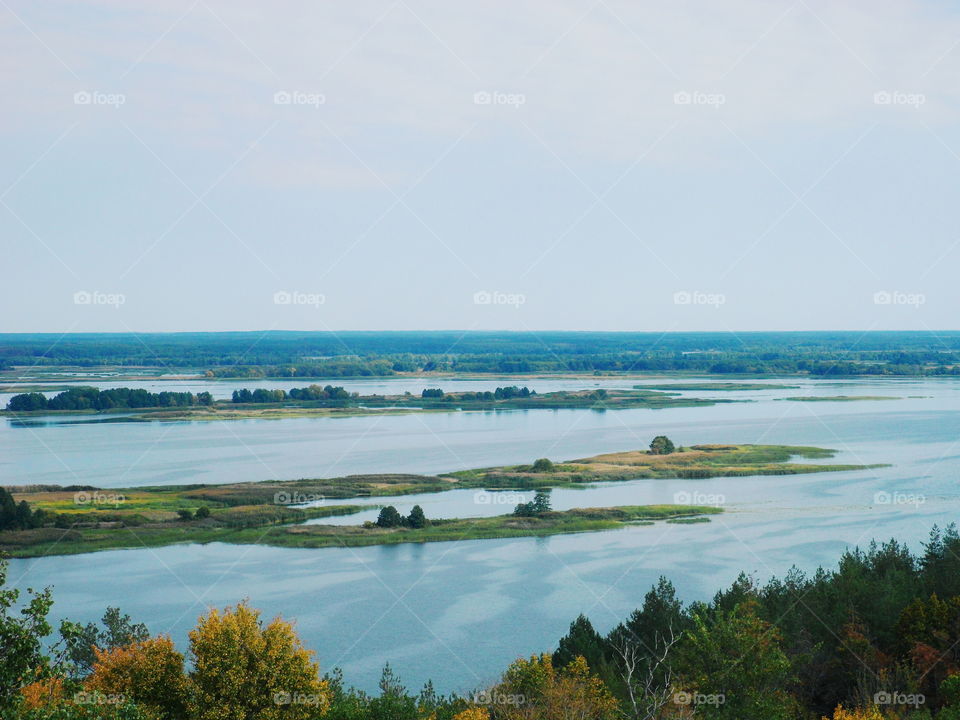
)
(876, 639)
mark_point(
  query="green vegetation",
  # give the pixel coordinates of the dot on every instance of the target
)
(839, 398)
(82, 519)
(279, 354)
(661, 445)
(90, 398)
(331, 401)
(717, 386)
(876, 638)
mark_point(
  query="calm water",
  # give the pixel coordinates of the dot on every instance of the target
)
(459, 612)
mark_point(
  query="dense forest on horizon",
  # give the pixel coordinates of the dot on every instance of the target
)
(369, 353)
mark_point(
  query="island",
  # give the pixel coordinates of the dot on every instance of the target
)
(55, 520)
(124, 404)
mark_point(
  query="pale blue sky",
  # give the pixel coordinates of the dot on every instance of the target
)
(580, 164)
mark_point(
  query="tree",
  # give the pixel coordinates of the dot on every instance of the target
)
(81, 641)
(389, 517)
(661, 445)
(203, 512)
(541, 502)
(245, 670)
(543, 465)
(22, 633)
(735, 661)
(533, 690)
(581, 641)
(150, 672)
(185, 514)
(416, 519)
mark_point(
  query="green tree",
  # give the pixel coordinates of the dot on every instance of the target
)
(581, 641)
(416, 519)
(735, 668)
(22, 633)
(389, 517)
(661, 445)
(80, 641)
(543, 465)
(202, 513)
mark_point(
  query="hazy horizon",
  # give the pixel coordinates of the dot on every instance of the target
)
(597, 165)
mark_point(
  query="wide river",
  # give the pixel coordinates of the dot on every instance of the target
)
(458, 613)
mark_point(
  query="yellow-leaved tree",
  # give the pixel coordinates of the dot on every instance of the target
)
(245, 671)
(869, 713)
(534, 690)
(149, 673)
(475, 713)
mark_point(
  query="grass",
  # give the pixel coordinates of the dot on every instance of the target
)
(54, 541)
(713, 386)
(840, 398)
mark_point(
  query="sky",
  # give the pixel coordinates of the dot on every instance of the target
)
(419, 164)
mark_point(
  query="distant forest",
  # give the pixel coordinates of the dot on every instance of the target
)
(353, 354)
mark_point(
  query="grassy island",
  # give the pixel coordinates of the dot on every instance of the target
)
(126, 405)
(78, 519)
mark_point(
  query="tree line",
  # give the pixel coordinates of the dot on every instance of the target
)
(91, 398)
(312, 392)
